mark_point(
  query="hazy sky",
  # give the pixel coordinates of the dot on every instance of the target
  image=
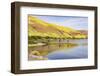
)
(79, 23)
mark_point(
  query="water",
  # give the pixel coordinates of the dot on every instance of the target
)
(73, 49)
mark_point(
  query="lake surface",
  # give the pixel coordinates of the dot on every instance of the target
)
(73, 49)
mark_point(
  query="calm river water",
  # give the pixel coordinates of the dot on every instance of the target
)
(73, 49)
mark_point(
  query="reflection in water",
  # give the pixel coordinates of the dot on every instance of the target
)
(74, 49)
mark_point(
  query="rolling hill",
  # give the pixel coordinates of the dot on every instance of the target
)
(40, 28)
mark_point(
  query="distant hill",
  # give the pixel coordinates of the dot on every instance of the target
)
(38, 27)
(85, 32)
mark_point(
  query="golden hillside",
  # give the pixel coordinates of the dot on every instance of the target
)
(37, 27)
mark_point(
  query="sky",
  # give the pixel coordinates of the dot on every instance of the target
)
(78, 23)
